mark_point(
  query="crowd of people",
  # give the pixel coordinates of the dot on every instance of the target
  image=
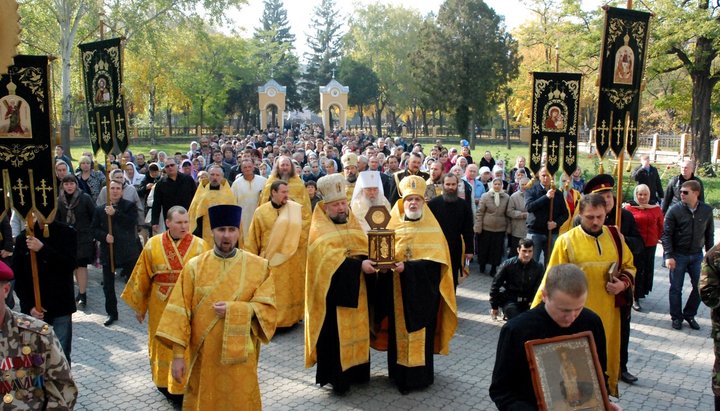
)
(288, 211)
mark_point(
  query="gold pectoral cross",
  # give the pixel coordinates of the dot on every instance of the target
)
(408, 253)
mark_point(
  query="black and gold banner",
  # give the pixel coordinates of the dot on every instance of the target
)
(102, 67)
(622, 64)
(26, 149)
(556, 101)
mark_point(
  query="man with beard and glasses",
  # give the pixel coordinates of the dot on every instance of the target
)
(279, 233)
(435, 182)
(215, 192)
(368, 192)
(591, 247)
(219, 312)
(337, 333)
(456, 220)
(350, 170)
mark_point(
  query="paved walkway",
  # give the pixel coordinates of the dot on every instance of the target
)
(112, 371)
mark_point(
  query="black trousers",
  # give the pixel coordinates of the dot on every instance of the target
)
(109, 286)
(624, 336)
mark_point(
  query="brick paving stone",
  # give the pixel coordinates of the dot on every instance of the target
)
(111, 366)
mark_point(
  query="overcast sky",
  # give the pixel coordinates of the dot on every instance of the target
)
(301, 11)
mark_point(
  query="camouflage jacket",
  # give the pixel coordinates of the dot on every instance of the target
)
(710, 281)
(34, 374)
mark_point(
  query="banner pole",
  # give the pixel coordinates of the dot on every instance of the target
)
(30, 232)
(111, 248)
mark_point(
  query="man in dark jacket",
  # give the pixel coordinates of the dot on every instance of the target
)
(646, 174)
(672, 192)
(456, 221)
(688, 227)
(125, 243)
(516, 282)
(537, 203)
(173, 189)
(55, 256)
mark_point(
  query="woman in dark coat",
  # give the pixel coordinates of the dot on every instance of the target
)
(76, 209)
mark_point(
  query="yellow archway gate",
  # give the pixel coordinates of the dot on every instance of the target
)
(334, 94)
(272, 94)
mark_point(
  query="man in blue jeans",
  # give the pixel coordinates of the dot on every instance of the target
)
(688, 227)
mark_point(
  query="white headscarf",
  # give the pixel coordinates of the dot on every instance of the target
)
(137, 177)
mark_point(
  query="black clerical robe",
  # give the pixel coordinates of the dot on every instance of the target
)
(456, 221)
(511, 387)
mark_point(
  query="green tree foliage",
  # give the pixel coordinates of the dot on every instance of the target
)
(480, 59)
(363, 84)
(325, 51)
(274, 51)
(383, 37)
(689, 32)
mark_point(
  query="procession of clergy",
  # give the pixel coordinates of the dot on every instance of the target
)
(211, 302)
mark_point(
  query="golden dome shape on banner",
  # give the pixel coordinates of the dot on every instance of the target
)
(9, 33)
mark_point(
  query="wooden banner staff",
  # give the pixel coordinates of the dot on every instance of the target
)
(30, 232)
(621, 159)
(552, 180)
(111, 248)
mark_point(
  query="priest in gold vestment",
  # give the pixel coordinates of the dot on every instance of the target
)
(153, 278)
(279, 233)
(222, 308)
(591, 247)
(215, 191)
(350, 170)
(337, 333)
(418, 296)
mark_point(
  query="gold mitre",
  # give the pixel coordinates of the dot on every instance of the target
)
(332, 187)
(349, 160)
(413, 185)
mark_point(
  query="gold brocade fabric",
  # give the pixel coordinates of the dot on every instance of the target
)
(594, 257)
(285, 235)
(422, 240)
(290, 275)
(568, 224)
(222, 372)
(161, 257)
(328, 246)
(297, 193)
(204, 199)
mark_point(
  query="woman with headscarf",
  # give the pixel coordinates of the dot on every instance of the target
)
(76, 208)
(132, 175)
(491, 224)
(649, 221)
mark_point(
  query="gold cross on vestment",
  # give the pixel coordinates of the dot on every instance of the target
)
(408, 254)
(553, 146)
(20, 188)
(538, 146)
(43, 189)
(119, 122)
(92, 123)
(603, 128)
(570, 146)
(619, 129)
(631, 129)
(105, 123)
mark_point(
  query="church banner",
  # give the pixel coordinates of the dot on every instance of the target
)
(622, 64)
(556, 102)
(26, 149)
(103, 75)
